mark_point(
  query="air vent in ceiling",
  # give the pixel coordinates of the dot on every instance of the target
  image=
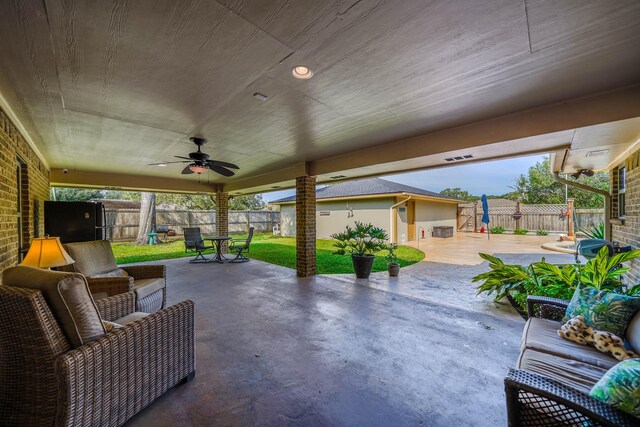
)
(276, 186)
(458, 158)
(597, 153)
(338, 176)
(260, 97)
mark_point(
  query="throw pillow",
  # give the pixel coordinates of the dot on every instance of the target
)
(620, 387)
(576, 330)
(110, 326)
(68, 297)
(602, 310)
(113, 273)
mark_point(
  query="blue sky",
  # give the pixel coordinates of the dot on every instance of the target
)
(477, 178)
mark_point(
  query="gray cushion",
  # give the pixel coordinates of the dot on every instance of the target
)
(633, 332)
(92, 257)
(576, 374)
(131, 317)
(68, 297)
(145, 287)
(118, 272)
(542, 335)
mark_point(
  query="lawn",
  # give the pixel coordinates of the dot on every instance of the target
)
(268, 248)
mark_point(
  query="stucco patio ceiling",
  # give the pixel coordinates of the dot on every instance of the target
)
(102, 88)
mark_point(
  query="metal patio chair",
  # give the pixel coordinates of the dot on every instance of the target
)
(193, 242)
(240, 247)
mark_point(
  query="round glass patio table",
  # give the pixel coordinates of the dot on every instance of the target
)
(217, 242)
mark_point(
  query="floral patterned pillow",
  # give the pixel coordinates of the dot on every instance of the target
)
(620, 387)
(602, 310)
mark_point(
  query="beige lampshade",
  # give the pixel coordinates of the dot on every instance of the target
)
(46, 252)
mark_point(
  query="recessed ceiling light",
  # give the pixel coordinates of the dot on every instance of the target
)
(302, 72)
(162, 165)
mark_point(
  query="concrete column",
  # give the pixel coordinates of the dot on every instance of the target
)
(306, 226)
(222, 217)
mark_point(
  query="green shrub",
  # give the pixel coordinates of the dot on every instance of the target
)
(520, 231)
(556, 281)
(497, 230)
(594, 232)
(542, 233)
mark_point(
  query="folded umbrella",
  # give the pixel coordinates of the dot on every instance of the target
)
(485, 215)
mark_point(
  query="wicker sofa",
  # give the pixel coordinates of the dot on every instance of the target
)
(96, 262)
(553, 376)
(47, 379)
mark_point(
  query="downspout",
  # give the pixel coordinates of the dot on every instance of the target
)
(391, 229)
(605, 194)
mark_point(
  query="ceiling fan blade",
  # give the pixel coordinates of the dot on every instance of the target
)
(166, 163)
(186, 171)
(221, 170)
(223, 164)
(186, 158)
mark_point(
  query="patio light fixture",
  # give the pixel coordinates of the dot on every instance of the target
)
(302, 72)
(587, 172)
(196, 168)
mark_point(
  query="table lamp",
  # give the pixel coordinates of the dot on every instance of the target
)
(47, 252)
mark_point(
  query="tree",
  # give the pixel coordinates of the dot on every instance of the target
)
(539, 187)
(243, 203)
(458, 193)
(147, 221)
(75, 194)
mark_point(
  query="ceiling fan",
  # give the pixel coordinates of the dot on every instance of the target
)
(199, 162)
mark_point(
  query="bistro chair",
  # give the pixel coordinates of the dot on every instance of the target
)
(193, 242)
(240, 247)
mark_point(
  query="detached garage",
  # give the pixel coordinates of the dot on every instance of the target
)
(406, 211)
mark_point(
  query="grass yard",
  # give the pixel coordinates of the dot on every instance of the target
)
(268, 248)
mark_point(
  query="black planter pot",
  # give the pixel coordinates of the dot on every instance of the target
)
(393, 268)
(517, 307)
(362, 265)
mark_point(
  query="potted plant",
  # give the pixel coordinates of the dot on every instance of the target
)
(392, 260)
(362, 242)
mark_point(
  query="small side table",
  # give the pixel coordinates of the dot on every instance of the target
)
(152, 238)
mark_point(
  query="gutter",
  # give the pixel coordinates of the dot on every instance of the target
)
(391, 229)
(605, 194)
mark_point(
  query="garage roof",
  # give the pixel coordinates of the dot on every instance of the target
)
(368, 187)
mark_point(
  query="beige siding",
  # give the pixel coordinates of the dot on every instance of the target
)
(375, 211)
(334, 216)
(431, 214)
(288, 220)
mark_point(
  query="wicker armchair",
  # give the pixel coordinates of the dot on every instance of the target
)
(537, 400)
(43, 381)
(95, 258)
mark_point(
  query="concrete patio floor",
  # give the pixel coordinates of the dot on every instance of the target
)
(272, 349)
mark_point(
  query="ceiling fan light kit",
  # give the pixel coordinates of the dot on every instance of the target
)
(200, 162)
(196, 168)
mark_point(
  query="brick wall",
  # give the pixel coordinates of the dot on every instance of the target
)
(306, 226)
(34, 191)
(222, 217)
(628, 230)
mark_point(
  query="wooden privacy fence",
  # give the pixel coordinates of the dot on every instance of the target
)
(122, 224)
(551, 218)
